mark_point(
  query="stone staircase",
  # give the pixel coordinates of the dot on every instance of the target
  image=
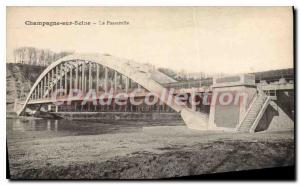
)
(254, 113)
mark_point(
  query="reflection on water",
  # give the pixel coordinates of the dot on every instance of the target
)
(32, 125)
(49, 128)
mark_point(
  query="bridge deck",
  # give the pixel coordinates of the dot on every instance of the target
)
(143, 93)
(99, 95)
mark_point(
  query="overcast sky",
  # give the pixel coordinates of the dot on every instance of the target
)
(211, 40)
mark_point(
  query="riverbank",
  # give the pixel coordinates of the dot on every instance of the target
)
(149, 153)
(19, 80)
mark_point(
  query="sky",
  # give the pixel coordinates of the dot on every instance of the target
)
(194, 39)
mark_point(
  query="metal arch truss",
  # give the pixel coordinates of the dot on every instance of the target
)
(96, 71)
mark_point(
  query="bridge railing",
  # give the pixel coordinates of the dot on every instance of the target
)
(190, 84)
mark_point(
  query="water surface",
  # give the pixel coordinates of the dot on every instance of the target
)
(31, 128)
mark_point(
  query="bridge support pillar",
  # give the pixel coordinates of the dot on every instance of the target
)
(57, 78)
(82, 77)
(90, 76)
(42, 88)
(231, 96)
(45, 82)
(61, 79)
(105, 79)
(38, 91)
(97, 78)
(52, 79)
(71, 80)
(76, 77)
(126, 84)
(48, 84)
(115, 80)
(66, 81)
(41, 93)
(49, 107)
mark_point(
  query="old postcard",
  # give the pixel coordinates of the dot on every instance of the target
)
(149, 92)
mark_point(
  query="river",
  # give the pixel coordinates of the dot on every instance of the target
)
(32, 128)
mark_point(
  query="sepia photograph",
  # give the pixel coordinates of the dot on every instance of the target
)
(150, 93)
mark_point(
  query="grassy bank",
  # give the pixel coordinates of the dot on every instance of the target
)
(157, 152)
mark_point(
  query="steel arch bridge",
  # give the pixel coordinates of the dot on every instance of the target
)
(99, 72)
